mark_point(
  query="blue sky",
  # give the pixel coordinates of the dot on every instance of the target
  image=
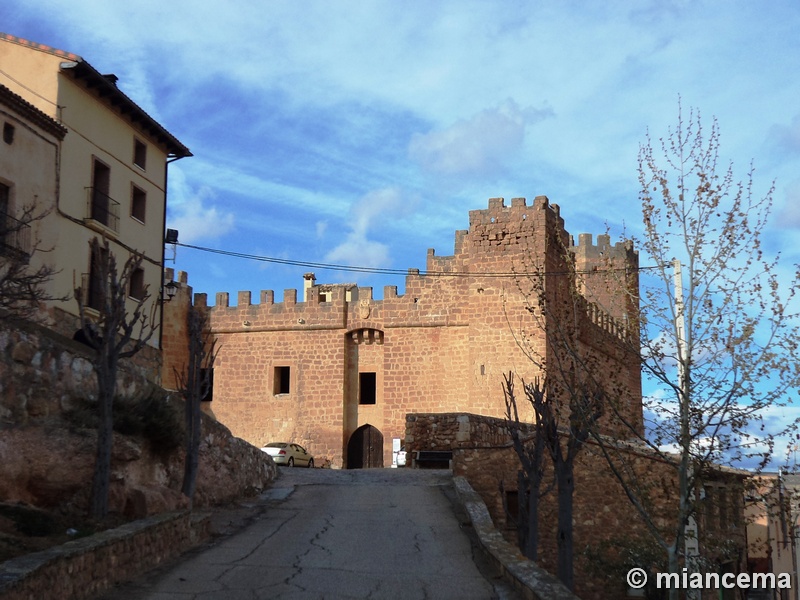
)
(363, 133)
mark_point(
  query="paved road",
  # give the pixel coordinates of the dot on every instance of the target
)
(330, 534)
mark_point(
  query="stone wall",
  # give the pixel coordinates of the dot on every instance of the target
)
(43, 373)
(441, 346)
(89, 566)
(602, 514)
(43, 377)
(174, 334)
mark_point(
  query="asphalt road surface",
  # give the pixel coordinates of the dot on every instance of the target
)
(331, 534)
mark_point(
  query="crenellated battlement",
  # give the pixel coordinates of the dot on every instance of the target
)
(519, 211)
(326, 306)
(498, 238)
(587, 250)
(517, 229)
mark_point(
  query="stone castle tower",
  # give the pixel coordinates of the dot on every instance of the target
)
(339, 371)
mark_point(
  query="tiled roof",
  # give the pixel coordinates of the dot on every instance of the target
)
(28, 110)
(41, 47)
(106, 89)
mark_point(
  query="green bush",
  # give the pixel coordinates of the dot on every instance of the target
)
(152, 415)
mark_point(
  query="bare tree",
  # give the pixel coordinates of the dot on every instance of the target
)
(22, 288)
(716, 334)
(115, 331)
(531, 450)
(559, 439)
(194, 384)
(568, 406)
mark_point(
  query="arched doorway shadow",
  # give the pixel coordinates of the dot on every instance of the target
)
(365, 448)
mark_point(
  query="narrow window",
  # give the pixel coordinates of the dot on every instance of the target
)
(206, 384)
(6, 226)
(512, 507)
(367, 386)
(139, 154)
(8, 133)
(98, 274)
(101, 184)
(137, 289)
(138, 203)
(281, 384)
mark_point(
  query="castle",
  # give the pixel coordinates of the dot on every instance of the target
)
(338, 371)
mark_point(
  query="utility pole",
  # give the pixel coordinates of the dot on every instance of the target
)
(691, 542)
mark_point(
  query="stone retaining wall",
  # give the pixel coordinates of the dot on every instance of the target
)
(603, 517)
(530, 580)
(86, 567)
(43, 373)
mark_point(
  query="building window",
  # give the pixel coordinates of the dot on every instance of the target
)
(8, 133)
(138, 203)
(102, 208)
(367, 388)
(98, 271)
(282, 380)
(206, 384)
(5, 218)
(511, 506)
(15, 235)
(137, 289)
(139, 154)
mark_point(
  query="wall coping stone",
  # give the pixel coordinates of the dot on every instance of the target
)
(527, 577)
(22, 576)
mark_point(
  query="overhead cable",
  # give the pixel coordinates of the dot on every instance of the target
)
(383, 271)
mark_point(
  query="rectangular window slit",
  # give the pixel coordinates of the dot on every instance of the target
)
(367, 388)
(282, 380)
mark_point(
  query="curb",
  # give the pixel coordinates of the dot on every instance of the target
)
(533, 582)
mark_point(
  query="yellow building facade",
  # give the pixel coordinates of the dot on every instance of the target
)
(109, 173)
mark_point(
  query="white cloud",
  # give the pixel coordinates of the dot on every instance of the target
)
(787, 137)
(377, 206)
(764, 433)
(790, 215)
(196, 218)
(478, 146)
(281, 119)
(358, 250)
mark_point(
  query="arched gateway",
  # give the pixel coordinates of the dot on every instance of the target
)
(365, 448)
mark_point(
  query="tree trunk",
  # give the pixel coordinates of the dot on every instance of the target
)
(98, 501)
(192, 408)
(529, 495)
(566, 487)
(673, 565)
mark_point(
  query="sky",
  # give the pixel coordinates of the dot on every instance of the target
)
(363, 133)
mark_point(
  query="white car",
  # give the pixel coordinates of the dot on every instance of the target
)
(284, 453)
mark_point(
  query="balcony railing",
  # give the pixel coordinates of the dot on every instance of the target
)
(15, 236)
(103, 209)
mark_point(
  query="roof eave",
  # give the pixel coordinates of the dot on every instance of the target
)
(114, 97)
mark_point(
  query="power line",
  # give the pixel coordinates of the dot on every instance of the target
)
(378, 270)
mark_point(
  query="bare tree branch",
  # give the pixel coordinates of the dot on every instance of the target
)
(194, 384)
(23, 289)
(116, 330)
